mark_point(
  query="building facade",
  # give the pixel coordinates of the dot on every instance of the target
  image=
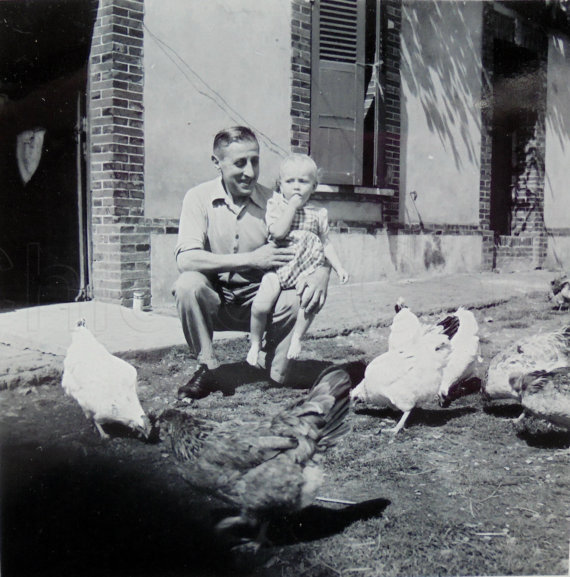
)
(440, 128)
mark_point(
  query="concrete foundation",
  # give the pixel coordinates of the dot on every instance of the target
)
(368, 257)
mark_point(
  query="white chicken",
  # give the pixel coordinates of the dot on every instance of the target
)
(423, 362)
(540, 352)
(460, 374)
(545, 394)
(406, 328)
(410, 372)
(104, 385)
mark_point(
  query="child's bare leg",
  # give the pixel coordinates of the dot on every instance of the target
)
(302, 324)
(262, 305)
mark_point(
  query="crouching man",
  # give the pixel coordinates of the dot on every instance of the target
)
(222, 253)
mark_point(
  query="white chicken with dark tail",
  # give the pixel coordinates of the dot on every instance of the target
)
(423, 362)
(410, 372)
(104, 385)
(538, 352)
(460, 376)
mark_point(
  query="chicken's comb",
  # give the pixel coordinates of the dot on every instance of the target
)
(400, 304)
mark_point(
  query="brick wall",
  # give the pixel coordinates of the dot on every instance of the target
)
(390, 80)
(300, 75)
(488, 257)
(526, 246)
(120, 236)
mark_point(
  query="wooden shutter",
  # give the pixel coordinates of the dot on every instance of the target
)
(337, 90)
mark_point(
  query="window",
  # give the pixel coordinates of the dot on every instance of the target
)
(346, 92)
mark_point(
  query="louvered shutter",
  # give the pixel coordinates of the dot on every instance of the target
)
(337, 90)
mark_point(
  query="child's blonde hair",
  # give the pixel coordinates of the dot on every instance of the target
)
(302, 160)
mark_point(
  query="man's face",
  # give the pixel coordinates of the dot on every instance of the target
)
(239, 164)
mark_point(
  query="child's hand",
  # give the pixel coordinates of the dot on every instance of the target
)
(296, 201)
(343, 276)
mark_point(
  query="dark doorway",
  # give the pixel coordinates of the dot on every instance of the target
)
(515, 113)
(44, 50)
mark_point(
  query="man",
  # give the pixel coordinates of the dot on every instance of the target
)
(221, 255)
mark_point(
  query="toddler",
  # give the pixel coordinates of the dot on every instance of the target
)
(291, 220)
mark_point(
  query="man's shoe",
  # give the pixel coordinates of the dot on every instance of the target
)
(199, 386)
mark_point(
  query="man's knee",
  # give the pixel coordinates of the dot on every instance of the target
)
(287, 305)
(191, 286)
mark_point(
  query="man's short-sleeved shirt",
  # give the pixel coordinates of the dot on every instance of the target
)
(211, 221)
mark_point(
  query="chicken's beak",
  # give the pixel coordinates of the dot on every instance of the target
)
(146, 430)
(355, 400)
(443, 401)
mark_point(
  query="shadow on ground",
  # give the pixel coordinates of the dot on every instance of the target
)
(426, 417)
(71, 511)
(509, 410)
(547, 439)
(304, 373)
(316, 522)
(68, 513)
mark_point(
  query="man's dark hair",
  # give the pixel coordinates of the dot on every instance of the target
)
(233, 134)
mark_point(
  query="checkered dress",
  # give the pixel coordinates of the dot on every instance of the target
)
(308, 234)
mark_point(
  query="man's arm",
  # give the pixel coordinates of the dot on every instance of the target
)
(265, 257)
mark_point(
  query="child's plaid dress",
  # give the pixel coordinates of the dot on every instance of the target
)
(308, 234)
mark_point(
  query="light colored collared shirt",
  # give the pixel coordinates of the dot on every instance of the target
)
(211, 221)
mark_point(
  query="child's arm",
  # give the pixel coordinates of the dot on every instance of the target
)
(332, 257)
(280, 228)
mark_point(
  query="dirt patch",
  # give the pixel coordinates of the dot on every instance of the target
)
(460, 491)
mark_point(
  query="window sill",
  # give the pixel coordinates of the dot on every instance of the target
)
(330, 192)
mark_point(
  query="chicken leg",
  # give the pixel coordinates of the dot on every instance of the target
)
(253, 545)
(104, 435)
(400, 424)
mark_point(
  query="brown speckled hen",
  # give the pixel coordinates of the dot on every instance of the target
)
(267, 466)
(545, 394)
(560, 291)
(537, 352)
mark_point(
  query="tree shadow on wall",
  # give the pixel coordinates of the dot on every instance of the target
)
(444, 86)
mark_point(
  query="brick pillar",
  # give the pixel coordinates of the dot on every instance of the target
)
(120, 239)
(300, 75)
(488, 245)
(390, 79)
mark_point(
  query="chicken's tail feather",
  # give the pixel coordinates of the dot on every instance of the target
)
(332, 382)
(565, 334)
(450, 326)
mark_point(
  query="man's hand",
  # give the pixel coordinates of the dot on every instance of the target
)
(271, 256)
(312, 289)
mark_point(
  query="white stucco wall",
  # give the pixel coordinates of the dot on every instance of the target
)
(440, 112)
(209, 65)
(558, 253)
(557, 160)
